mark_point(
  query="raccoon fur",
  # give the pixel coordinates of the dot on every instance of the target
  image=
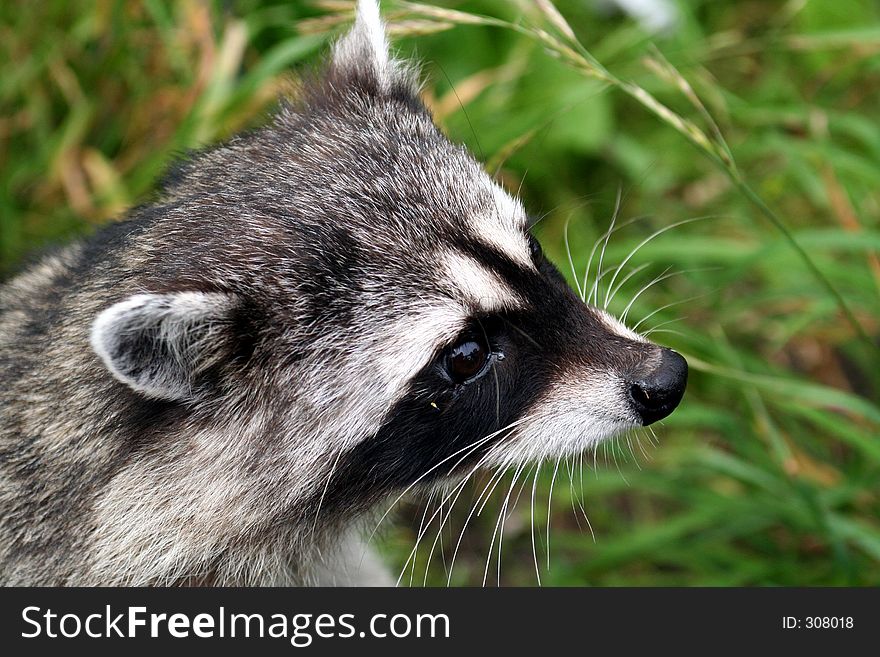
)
(311, 318)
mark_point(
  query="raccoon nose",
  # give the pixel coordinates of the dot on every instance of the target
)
(656, 394)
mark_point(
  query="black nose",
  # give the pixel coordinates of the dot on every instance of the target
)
(655, 394)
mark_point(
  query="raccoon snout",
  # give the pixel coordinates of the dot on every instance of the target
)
(656, 393)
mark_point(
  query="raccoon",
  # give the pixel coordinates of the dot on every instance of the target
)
(311, 318)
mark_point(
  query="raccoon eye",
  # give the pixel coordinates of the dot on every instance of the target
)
(466, 359)
(535, 249)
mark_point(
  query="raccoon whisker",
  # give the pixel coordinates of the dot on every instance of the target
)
(532, 515)
(431, 556)
(638, 436)
(497, 397)
(502, 469)
(468, 449)
(662, 330)
(508, 511)
(570, 207)
(577, 496)
(609, 295)
(663, 277)
(463, 111)
(625, 438)
(443, 555)
(571, 493)
(522, 181)
(438, 540)
(456, 490)
(522, 487)
(570, 260)
(549, 508)
(446, 519)
(665, 323)
(589, 266)
(664, 307)
(580, 495)
(574, 204)
(534, 221)
(650, 442)
(499, 527)
(666, 274)
(612, 229)
(421, 527)
(497, 477)
(522, 333)
(615, 448)
(594, 293)
(589, 524)
(633, 451)
(581, 466)
(652, 236)
(596, 283)
(489, 551)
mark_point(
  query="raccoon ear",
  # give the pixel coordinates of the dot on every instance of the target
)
(363, 53)
(161, 344)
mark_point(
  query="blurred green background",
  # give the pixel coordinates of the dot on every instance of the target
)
(750, 126)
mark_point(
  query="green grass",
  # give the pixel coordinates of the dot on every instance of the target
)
(755, 119)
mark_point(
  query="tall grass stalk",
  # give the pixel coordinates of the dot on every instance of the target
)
(561, 41)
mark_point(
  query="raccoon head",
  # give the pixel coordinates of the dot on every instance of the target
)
(357, 291)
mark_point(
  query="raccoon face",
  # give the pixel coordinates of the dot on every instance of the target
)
(365, 285)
